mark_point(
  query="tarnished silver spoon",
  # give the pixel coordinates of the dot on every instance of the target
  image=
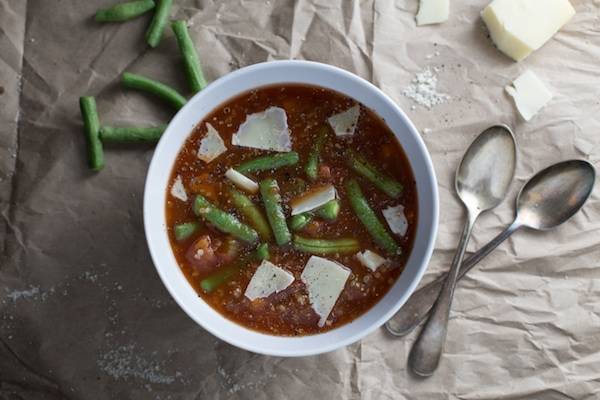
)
(548, 199)
(482, 181)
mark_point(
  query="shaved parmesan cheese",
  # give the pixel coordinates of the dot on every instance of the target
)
(267, 130)
(324, 280)
(396, 219)
(178, 190)
(370, 259)
(211, 145)
(268, 279)
(344, 123)
(313, 199)
(241, 181)
(433, 12)
(530, 94)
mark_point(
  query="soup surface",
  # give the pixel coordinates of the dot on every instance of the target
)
(220, 265)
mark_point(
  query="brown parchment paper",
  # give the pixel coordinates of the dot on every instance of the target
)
(83, 315)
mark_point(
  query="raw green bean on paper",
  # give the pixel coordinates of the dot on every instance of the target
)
(268, 163)
(329, 210)
(139, 82)
(223, 221)
(269, 191)
(193, 69)
(131, 134)
(369, 219)
(185, 230)
(326, 246)
(124, 11)
(91, 123)
(159, 21)
(312, 164)
(299, 221)
(252, 213)
(385, 183)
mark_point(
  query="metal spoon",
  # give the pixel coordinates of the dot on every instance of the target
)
(482, 181)
(548, 199)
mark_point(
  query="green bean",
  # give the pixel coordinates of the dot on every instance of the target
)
(326, 246)
(312, 165)
(185, 230)
(329, 210)
(262, 252)
(252, 213)
(131, 134)
(299, 221)
(124, 11)
(223, 221)
(267, 163)
(139, 82)
(159, 21)
(269, 191)
(193, 70)
(91, 124)
(385, 183)
(369, 219)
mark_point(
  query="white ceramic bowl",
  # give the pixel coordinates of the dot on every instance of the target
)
(216, 94)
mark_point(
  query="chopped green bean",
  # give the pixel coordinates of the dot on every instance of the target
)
(91, 124)
(382, 181)
(269, 191)
(131, 134)
(312, 164)
(124, 11)
(326, 246)
(268, 163)
(159, 21)
(299, 221)
(262, 252)
(185, 230)
(252, 213)
(329, 210)
(193, 70)
(369, 219)
(223, 221)
(139, 82)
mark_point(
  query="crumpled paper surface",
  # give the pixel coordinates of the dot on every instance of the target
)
(83, 314)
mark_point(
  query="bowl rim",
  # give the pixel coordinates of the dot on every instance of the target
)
(336, 341)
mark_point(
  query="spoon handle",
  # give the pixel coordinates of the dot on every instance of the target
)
(415, 310)
(427, 350)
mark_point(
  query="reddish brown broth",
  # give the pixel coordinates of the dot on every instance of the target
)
(308, 107)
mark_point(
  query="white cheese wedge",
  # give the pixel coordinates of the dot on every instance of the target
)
(211, 145)
(324, 280)
(267, 130)
(530, 94)
(433, 12)
(178, 190)
(518, 27)
(241, 181)
(371, 259)
(313, 199)
(396, 219)
(344, 123)
(268, 279)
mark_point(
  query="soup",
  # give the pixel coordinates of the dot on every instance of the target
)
(291, 209)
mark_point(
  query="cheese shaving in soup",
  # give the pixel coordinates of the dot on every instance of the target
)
(267, 130)
(178, 190)
(268, 279)
(344, 123)
(324, 280)
(396, 219)
(211, 145)
(371, 260)
(313, 199)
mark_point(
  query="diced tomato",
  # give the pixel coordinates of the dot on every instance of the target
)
(324, 171)
(201, 254)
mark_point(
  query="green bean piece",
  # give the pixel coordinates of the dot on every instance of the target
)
(223, 221)
(185, 230)
(326, 246)
(299, 221)
(268, 163)
(252, 213)
(131, 134)
(139, 82)
(329, 210)
(385, 183)
(312, 164)
(193, 69)
(262, 252)
(369, 219)
(159, 21)
(91, 123)
(124, 11)
(269, 191)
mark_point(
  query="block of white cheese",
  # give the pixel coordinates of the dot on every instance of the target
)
(518, 27)
(313, 199)
(178, 190)
(267, 130)
(530, 94)
(268, 279)
(396, 219)
(433, 12)
(324, 280)
(371, 259)
(242, 181)
(344, 123)
(211, 145)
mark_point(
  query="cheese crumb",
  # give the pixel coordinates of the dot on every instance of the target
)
(211, 145)
(423, 90)
(268, 279)
(178, 190)
(370, 259)
(530, 94)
